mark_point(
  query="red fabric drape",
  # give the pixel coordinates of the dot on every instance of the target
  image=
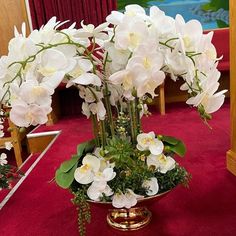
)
(91, 11)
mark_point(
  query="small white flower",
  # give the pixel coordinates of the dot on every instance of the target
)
(161, 162)
(8, 145)
(151, 186)
(97, 189)
(126, 200)
(82, 74)
(85, 173)
(106, 175)
(147, 141)
(3, 158)
(24, 115)
(98, 109)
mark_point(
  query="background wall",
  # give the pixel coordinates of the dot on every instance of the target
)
(12, 12)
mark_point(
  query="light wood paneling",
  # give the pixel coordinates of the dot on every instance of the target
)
(39, 144)
(231, 154)
(12, 12)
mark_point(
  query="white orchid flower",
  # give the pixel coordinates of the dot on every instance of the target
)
(167, 163)
(115, 18)
(211, 100)
(151, 186)
(21, 47)
(85, 109)
(162, 26)
(161, 162)
(97, 189)
(89, 94)
(189, 33)
(147, 56)
(47, 33)
(33, 92)
(150, 84)
(134, 10)
(85, 173)
(119, 200)
(98, 32)
(148, 141)
(3, 158)
(106, 175)
(24, 115)
(126, 200)
(123, 77)
(131, 11)
(54, 61)
(129, 35)
(82, 75)
(118, 57)
(98, 109)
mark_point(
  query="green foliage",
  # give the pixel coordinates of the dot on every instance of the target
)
(131, 177)
(8, 174)
(84, 214)
(65, 179)
(215, 5)
(172, 178)
(173, 144)
(119, 151)
(4, 170)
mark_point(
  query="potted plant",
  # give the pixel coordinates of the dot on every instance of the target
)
(116, 67)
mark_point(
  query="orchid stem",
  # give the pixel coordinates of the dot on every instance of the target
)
(103, 133)
(95, 130)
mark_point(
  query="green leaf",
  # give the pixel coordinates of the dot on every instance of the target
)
(64, 180)
(90, 146)
(179, 148)
(80, 148)
(68, 164)
(169, 139)
(85, 147)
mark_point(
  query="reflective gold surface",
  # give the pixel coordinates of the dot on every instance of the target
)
(129, 219)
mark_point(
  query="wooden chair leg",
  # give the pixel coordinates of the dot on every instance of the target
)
(17, 152)
(162, 99)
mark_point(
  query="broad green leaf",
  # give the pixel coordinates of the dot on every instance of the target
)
(80, 148)
(169, 139)
(85, 147)
(68, 164)
(90, 146)
(179, 148)
(64, 180)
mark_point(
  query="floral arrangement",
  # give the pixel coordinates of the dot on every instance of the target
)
(8, 173)
(116, 67)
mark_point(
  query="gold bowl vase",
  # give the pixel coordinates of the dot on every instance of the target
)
(134, 218)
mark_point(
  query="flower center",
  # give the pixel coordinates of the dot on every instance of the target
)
(133, 39)
(148, 141)
(38, 91)
(147, 63)
(85, 168)
(77, 72)
(47, 71)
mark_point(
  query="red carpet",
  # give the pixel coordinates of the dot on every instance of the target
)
(207, 208)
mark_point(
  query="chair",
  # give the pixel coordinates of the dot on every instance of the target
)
(15, 137)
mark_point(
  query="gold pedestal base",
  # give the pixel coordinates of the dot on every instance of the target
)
(129, 219)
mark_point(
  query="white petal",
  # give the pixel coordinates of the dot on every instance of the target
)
(157, 148)
(92, 161)
(88, 78)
